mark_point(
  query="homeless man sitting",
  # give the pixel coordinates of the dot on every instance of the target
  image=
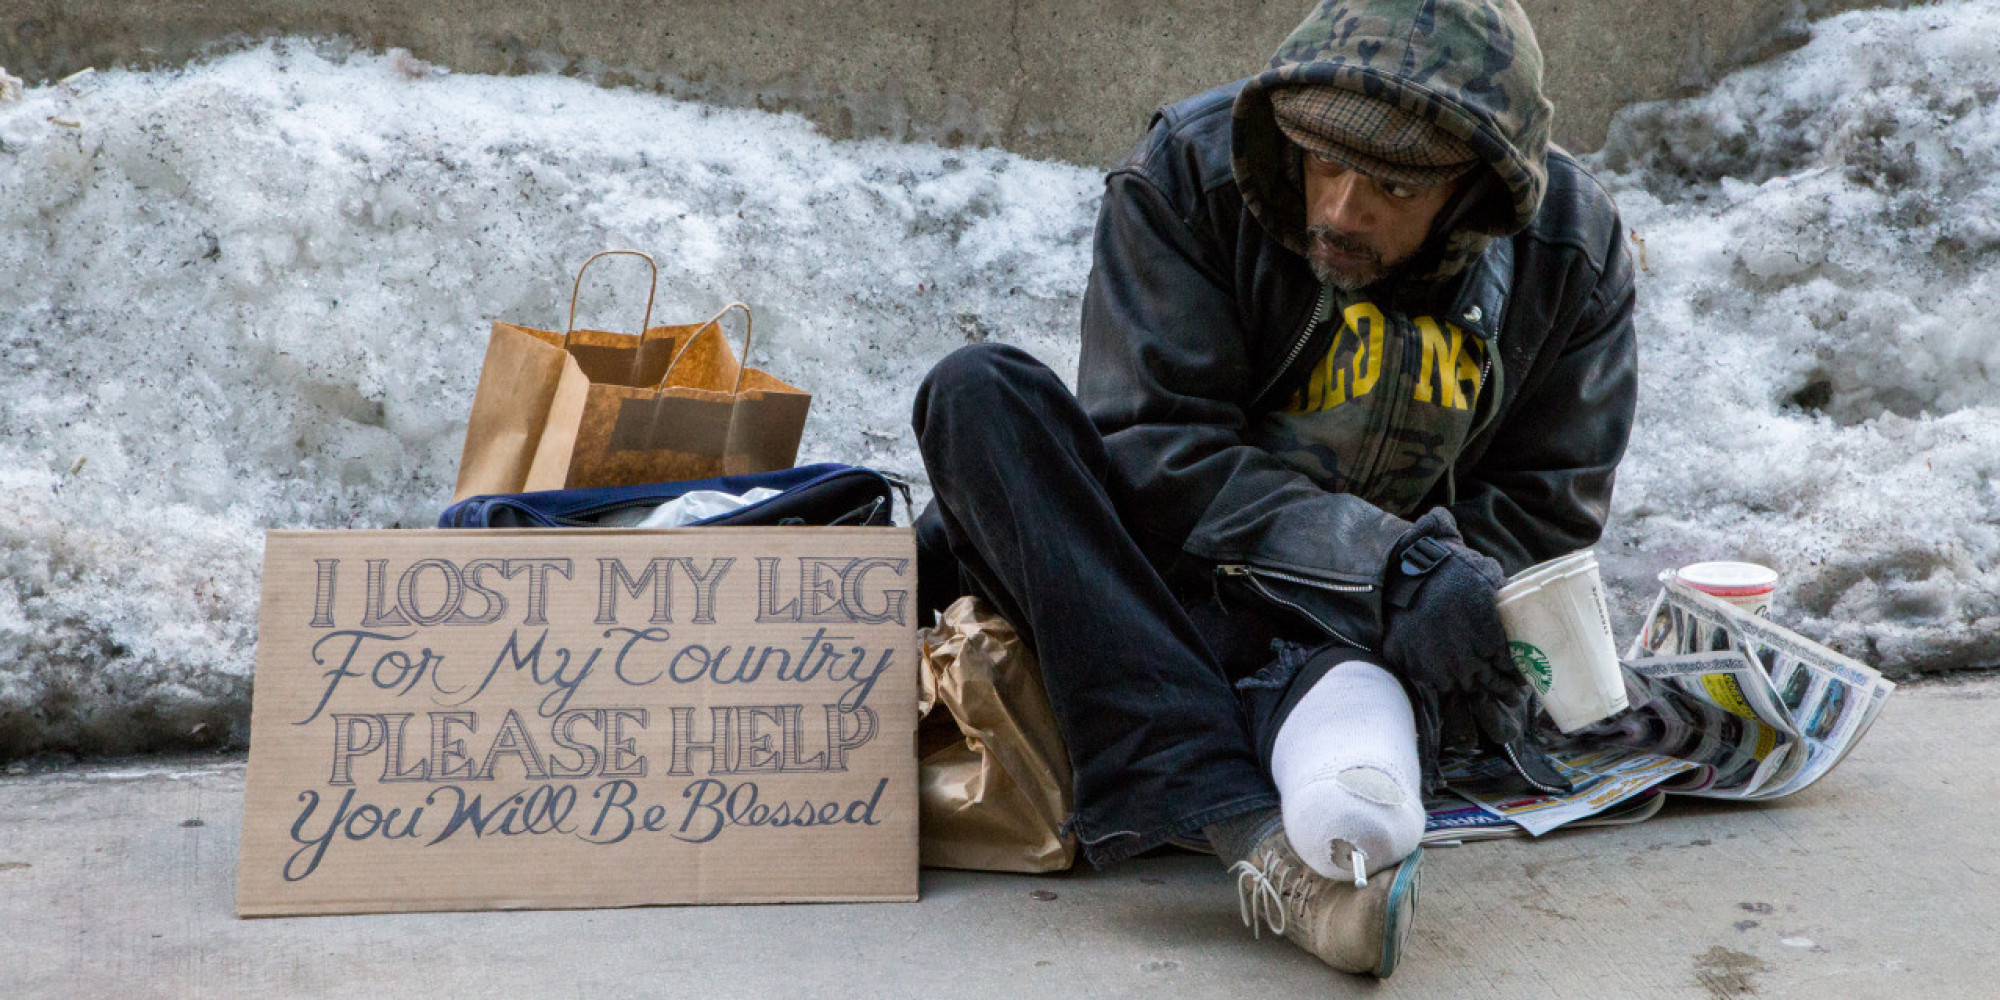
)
(1357, 342)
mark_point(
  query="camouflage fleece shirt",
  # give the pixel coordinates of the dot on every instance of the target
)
(1386, 409)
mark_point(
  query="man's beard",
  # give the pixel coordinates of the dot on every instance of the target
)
(1344, 260)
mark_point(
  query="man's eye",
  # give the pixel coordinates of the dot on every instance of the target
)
(1399, 191)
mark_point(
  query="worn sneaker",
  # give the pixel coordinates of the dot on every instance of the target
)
(1354, 926)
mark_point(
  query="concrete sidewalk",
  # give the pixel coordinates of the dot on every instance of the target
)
(1883, 880)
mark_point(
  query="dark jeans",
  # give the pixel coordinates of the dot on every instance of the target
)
(1163, 734)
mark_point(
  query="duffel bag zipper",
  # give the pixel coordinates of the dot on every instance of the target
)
(862, 515)
(590, 517)
(1250, 574)
(901, 485)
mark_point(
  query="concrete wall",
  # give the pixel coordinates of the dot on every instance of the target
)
(1074, 79)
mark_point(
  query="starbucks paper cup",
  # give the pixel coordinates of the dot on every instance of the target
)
(1746, 585)
(1559, 632)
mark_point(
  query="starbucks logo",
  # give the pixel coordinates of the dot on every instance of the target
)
(1533, 664)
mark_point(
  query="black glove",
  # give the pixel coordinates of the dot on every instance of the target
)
(1500, 715)
(1442, 629)
(1495, 721)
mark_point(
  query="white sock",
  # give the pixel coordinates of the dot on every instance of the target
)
(1345, 763)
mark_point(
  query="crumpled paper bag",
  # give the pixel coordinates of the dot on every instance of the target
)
(994, 783)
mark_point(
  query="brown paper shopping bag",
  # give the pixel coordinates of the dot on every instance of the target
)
(592, 408)
(994, 785)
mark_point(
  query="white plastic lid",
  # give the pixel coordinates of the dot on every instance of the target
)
(1729, 579)
(1554, 566)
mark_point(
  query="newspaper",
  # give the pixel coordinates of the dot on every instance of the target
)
(1602, 778)
(1803, 705)
(1692, 708)
(1454, 821)
(1724, 704)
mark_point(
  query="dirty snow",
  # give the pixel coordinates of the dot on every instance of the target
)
(1817, 338)
(253, 293)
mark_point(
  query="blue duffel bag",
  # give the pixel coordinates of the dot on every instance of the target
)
(827, 494)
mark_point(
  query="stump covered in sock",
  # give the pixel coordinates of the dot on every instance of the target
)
(1345, 764)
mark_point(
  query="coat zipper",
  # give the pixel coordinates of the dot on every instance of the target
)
(1515, 760)
(1322, 303)
(1488, 370)
(1488, 389)
(1244, 569)
(1250, 575)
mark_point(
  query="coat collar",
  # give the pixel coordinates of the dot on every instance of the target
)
(1481, 303)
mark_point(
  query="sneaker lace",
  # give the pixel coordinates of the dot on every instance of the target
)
(1273, 892)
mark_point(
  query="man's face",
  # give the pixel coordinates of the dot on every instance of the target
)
(1359, 228)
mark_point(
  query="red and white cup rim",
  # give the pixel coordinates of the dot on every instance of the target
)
(1761, 582)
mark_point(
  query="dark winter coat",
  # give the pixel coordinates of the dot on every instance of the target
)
(1199, 314)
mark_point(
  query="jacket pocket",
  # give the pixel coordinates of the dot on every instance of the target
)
(1350, 612)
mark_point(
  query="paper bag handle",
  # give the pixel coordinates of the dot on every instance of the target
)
(742, 362)
(577, 288)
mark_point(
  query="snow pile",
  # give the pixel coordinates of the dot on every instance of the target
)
(1818, 349)
(254, 293)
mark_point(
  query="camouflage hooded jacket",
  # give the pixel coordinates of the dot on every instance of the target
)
(1202, 317)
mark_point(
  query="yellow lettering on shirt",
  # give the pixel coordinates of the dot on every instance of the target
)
(1450, 375)
(1327, 388)
(1444, 355)
(1366, 321)
(1362, 324)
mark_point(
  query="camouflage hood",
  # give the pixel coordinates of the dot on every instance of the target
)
(1471, 67)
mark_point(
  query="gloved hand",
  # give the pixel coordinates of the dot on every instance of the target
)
(1442, 629)
(1499, 715)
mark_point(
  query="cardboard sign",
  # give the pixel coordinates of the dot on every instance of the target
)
(449, 720)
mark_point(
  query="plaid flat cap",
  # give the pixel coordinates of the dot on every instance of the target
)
(1372, 137)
